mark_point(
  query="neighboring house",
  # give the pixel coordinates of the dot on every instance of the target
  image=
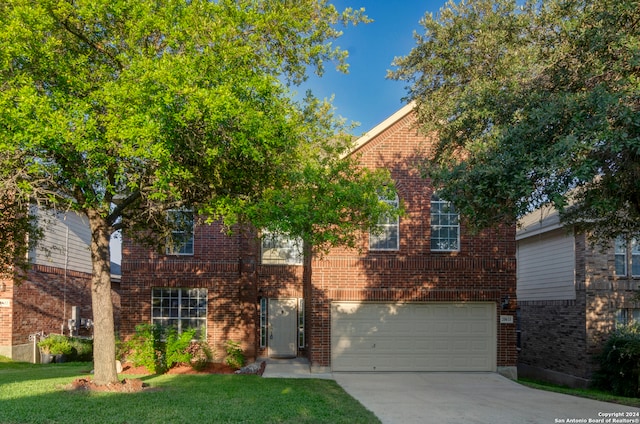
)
(422, 294)
(57, 288)
(571, 294)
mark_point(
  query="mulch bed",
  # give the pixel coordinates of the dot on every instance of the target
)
(134, 385)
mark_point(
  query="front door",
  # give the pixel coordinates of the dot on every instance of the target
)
(283, 318)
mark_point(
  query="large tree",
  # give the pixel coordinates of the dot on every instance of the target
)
(533, 104)
(124, 109)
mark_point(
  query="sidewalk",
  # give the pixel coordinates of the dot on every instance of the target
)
(290, 368)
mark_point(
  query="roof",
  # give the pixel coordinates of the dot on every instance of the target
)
(401, 113)
(540, 221)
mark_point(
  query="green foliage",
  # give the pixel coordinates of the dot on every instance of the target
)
(177, 346)
(235, 356)
(81, 349)
(147, 349)
(533, 104)
(158, 349)
(620, 362)
(123, 110)
(56, 344)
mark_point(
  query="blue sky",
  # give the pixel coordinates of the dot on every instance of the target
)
(365, 95)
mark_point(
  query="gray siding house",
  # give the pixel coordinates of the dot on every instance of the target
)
(571, 294)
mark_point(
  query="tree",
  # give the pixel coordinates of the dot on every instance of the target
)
(124, 109)
(533, 105)
(330, 198)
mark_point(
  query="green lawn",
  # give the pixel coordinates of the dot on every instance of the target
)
(38, 394)
(585, 393)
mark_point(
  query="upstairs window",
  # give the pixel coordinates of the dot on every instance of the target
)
(280, 249)
(624, 260)
(181, 240)
(635, 257)
(386, 235)
(445, 226)
(621, 256)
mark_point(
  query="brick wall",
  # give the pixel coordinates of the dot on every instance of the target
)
(229, 267)
(483, 269)
(43, 302)
(561, 338)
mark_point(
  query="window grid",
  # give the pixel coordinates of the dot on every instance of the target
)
(180, 308)
(445, 226)
(621, 257)
(387, 234)
(182, 238)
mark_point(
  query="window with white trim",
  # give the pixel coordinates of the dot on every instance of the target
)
(280, 249)
(621, 256)
(386, 235)
(635, 257)
(445, 225)
(181, 240)
(180, 308)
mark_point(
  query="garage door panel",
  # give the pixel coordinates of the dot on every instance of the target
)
(413, 337)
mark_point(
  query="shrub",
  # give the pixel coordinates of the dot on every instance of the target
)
(81, 349)
(200, 353)
(620, 362)
(55, 344)
(177, 346)
(235, 356)
(146, 348)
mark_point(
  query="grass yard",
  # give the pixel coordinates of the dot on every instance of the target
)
(38, 394)
(585, 393)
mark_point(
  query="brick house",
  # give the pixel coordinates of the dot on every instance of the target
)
(421, 295)
(571, 294)
(57, 288)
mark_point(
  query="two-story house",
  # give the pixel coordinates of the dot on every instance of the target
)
(55, 290)
(422, 294)
(571, 294)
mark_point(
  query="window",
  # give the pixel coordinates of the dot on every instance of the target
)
(301, 323)
(263, 322)
(445, 225)
(386, 235)
(181, 240)
(627, 316)
(623, 259)
(279, 249)
(635, 257)
(180, 308)
(621, 256)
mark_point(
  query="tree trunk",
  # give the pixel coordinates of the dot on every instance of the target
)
(104, 342)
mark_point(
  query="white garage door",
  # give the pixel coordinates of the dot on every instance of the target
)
(413, 336)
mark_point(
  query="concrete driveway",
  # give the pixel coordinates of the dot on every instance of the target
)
(469, 398)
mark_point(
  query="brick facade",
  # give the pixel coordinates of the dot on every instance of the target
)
(43, 303)
(560, 338)
(229, 267)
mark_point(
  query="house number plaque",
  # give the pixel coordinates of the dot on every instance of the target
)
(506, 319)
(5, 303)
